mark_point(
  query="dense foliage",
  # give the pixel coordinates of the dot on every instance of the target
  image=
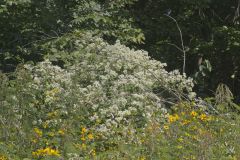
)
(25, 24)
(107, 88)
(76, 82)
(106, 99)
(210, 33)
(210, 30)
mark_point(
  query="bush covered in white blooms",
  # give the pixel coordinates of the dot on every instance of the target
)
(100, 98)
(112, 84)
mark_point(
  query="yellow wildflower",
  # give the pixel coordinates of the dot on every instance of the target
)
(83, 138)
(84, 130)
(165, 127)
(142, 158)
(193, 113)
(38, 132)
(176, 117)
(90, 136)
(45, 125)
(93, 152)
(35, 154)
(53, 152)
(3, 157)
(52, 114)
(61, 132)
(52, 92)
(203, 117)
(98, 121)
(129, 132)
(33, 141)
(46, 152)
(51, 134)
(173, 118)
(55, 90)
(185, 122)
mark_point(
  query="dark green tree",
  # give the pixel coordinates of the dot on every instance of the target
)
(210, 30)
(26, 24)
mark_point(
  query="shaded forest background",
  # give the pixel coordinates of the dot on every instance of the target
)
(210, 31)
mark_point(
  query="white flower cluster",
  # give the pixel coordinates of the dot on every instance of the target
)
(120, 84)
(114, 85)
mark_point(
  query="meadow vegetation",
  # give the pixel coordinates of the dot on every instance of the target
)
(119, 80)
(110, 102)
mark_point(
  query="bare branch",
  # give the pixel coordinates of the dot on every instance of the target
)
(181, 37)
